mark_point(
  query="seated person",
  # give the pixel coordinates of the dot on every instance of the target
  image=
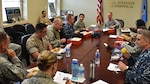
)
(54, 35)
(11, 68)
(140, 22)
(38, 42)
(68, 29)
(140, 72)
(47, 63)
(132, 48)
(110, 22)
(79, 24)
(16, 47)
(44, 19)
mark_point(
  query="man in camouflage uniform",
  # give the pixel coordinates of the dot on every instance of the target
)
(11, 68)
(38, 42)
(54, 35)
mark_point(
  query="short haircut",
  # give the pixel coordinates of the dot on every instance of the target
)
(46, 59)
(43, 11)
(140, 22)
(81, 14)
(69, 16)
(145, 33)
(3, 37)
(141, 27)
(40, 27)
(56, 20)
(110, 13)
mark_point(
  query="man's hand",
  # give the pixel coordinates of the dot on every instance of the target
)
(76, 32)
(63, 40)
(122, 66)
(11, 53)
(69, 82)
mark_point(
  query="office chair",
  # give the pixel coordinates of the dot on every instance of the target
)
(75, 18)
(29, 28)
(19, 31)
(121, 22)
(10, 32)
(25, 53)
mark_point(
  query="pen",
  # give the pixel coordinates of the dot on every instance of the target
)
(116, 72)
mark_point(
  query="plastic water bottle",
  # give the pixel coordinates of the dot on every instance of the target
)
(68, 52)
(75, 68)
(97, 57)
(81, 71)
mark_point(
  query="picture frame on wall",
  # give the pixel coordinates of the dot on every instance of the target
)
(52, 9)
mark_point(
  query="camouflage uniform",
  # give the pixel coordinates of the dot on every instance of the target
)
(79, 25)
(12, 70)
(17, 48)
(35, 44)
(39, 78)
(140, 72)
(45, 20)
(54, 37)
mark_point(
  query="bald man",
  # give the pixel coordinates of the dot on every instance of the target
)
(54, 35)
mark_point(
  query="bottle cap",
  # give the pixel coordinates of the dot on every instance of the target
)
(81, 65)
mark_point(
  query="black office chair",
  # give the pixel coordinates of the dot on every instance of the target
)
(121, 22)
(75, 18)
(19, 31)
(149, 28)
(10, 32)
(29, 28)
(25, 53)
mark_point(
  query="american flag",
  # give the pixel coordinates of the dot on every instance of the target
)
(100, 19)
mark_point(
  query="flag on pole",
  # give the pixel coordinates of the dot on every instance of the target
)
(144, 10)
(100, 19)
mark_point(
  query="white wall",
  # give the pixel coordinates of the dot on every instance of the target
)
(34, 9)
(88, 7)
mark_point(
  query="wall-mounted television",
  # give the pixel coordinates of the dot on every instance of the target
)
(65, 12)
(13, 14)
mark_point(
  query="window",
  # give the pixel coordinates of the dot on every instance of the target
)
(51, 8)
(10, 3)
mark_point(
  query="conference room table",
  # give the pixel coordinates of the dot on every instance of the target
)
(85, 52)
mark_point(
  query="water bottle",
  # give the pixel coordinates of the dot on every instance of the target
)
(97, 57)
(81, 71)
(92, 70)
(68, 52)
(118, 31)
(75, 68)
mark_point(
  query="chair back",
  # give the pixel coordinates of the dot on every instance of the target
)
(121, 22)
(25, 53)
(29, 28)
(19, 28)
(75, 18)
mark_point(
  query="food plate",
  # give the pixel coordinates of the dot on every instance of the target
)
(58, 50)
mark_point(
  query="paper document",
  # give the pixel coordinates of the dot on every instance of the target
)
(112, 36)
(61, 77)
(100, 82)
(106, 29)
(113, 67)
(125, 30)
(75, 39)
(85, 33)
